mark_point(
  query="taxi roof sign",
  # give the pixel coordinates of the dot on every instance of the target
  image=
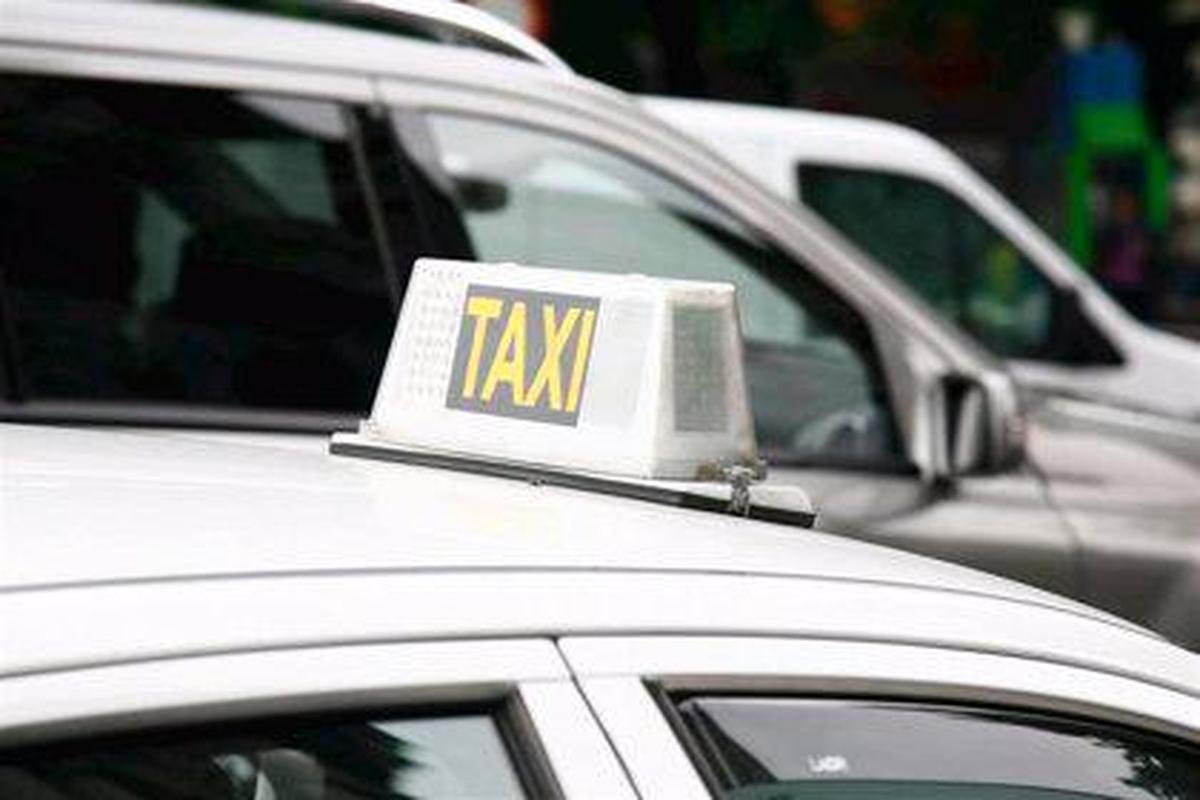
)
(622, 375)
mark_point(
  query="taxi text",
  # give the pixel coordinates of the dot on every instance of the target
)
(523, 354)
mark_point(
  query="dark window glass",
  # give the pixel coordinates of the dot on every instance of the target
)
(423, 757)
(181, 245)
(791, 749)
(543, 199)
(943, 250)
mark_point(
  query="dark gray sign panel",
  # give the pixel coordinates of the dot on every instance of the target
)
(523, 354)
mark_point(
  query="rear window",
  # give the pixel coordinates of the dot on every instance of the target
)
(796, 749)
(185, 246)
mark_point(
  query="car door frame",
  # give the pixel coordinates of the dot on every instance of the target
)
(562, 751)
(912, 366)
(913, 348)
(628, 682)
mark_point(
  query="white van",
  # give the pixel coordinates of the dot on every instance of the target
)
(927, 216)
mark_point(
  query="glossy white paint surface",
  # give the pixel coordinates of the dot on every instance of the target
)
(156, 505)
(475, 23)
(172, 546)
(229, 686)
(226, 35)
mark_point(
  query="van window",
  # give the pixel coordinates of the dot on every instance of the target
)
(796, 748)
(185, 246)
(943, 249)
(541, 198)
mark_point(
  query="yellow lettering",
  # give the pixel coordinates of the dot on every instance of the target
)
(548, 376)
(484, 310)
(582, 348)
(509, 364)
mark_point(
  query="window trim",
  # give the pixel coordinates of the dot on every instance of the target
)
(565, 749)
(861, 337)
(357, 117)
(106, 698)
(526, 753)
(943, 673)
(120, 414)
(1095, 349)
(185, 69)
(631, 684)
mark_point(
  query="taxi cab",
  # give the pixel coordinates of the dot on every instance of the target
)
(473, 595)
(208, 220)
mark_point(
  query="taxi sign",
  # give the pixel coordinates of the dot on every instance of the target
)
(623, 375)
(522, 354)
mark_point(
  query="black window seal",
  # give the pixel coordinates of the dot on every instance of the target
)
(72, 413)
(402, 161)
(525, 750)
(353, 119)
(11, 386)
(1076, 340)
(699, 753)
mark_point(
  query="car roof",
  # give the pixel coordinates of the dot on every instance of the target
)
(342, 513)
(254, 37)
(229, 37)
(244, 543)
(789, 134)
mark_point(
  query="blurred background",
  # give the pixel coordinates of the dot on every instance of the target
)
(1087, 114)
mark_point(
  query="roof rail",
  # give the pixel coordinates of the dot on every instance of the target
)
(451, 21)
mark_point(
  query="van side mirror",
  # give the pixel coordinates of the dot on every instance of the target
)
(984, 426)
(1075, 339)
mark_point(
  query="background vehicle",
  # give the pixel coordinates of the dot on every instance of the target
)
(928, 217)
(262, 620)
(199, 235)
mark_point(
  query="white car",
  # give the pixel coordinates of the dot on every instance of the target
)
(191, 617)
(208, 219)
(927, 216)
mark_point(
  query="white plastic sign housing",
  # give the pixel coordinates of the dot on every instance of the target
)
(617, 374)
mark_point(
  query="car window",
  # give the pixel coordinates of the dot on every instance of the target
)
(435, 756)
(943, 249)
(789, 748)
(540, 198)
(177, 245)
